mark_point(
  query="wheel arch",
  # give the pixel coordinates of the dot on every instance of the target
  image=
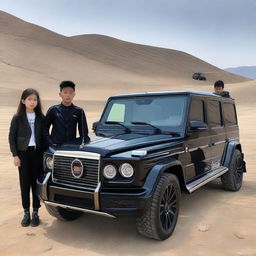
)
(177, 170)
(172, 166)
(231, 146)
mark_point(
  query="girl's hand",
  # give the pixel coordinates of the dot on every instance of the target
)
(16, 161)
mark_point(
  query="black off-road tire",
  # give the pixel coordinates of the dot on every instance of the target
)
(233, 179)
(63, 214)
(160, 217)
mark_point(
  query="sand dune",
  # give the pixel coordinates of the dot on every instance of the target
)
(32, 56)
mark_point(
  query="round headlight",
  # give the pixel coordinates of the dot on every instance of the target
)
(49, 162)
(109, 171)
(126, 170)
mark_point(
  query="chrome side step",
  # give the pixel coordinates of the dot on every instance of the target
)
(206, 178)
(79, 209)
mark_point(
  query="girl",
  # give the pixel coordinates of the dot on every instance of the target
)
(28, 139)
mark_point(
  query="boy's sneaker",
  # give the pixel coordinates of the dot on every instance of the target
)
(35, 219)
(26, 219)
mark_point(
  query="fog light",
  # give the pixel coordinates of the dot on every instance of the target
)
(109, 171)
(126, 170)
(49, 162)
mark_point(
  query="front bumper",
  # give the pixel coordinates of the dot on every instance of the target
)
(98, 201)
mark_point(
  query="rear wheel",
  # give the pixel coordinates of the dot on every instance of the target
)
(232, 180)
(63, 214)
(160, 217)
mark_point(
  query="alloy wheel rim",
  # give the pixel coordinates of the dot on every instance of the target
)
(168, 207)
(239, 171)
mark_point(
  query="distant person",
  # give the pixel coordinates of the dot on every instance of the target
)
(219, 89)
(65, 117)
(28, 140)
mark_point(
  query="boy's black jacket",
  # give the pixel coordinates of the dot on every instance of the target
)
(20, 133)
(64, 121)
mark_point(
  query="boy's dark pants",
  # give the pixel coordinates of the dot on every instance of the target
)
(30, 169)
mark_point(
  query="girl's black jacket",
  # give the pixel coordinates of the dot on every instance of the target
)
(20, 133)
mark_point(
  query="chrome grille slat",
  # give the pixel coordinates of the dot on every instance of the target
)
(90, 172)
(77, 181)
(62, 171)
(82, 178)
(76, 184)
(68, 168)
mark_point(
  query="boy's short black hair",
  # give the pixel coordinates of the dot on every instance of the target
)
(64, 84)
(219, 83)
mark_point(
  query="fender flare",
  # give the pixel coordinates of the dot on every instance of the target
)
(156, 172)
(231, 146)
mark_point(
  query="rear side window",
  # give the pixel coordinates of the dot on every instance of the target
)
(229, 114)
(197, 110)
(214, 113)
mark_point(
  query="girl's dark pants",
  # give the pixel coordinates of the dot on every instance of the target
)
(29, 170)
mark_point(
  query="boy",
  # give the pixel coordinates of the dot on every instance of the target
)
(65, 117)
(219, 89)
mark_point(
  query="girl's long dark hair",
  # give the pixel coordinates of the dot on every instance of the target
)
(22, 108)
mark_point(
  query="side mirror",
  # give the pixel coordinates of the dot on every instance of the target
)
(197, 125)
(94, 126)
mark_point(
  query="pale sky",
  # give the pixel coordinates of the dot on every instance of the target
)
(221, 32)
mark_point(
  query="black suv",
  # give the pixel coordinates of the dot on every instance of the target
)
(150, 148)
(199, 76)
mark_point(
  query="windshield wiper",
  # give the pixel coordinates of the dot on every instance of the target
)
(125, 127)
(158, 130)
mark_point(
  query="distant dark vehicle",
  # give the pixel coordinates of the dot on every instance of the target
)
(199, 76)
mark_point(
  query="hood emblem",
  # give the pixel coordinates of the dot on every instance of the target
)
(77, 168)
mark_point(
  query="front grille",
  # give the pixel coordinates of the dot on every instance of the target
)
(62, 172)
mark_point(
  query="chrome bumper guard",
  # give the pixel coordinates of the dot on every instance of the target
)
(44, 198)
(79, 209)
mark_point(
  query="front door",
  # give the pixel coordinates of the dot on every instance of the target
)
(197, 145)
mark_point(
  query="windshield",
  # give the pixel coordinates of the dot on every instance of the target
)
(164, 112)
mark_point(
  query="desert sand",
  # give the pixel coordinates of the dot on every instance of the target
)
(211, 222)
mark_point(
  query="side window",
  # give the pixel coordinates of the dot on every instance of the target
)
(229, 114)
(214, 113)
(197, 110)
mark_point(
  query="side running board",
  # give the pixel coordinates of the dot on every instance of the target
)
(206, 178)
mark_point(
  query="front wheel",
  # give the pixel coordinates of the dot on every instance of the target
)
(232, 180)
(160, 217)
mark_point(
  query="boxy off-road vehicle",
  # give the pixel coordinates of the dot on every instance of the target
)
(199, 76)
(150, 148)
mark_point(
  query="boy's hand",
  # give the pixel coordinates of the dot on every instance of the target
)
(16, 161)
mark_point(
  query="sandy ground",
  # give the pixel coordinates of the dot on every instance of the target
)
(211, 222)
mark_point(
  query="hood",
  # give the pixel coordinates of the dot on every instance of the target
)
(121, 143)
